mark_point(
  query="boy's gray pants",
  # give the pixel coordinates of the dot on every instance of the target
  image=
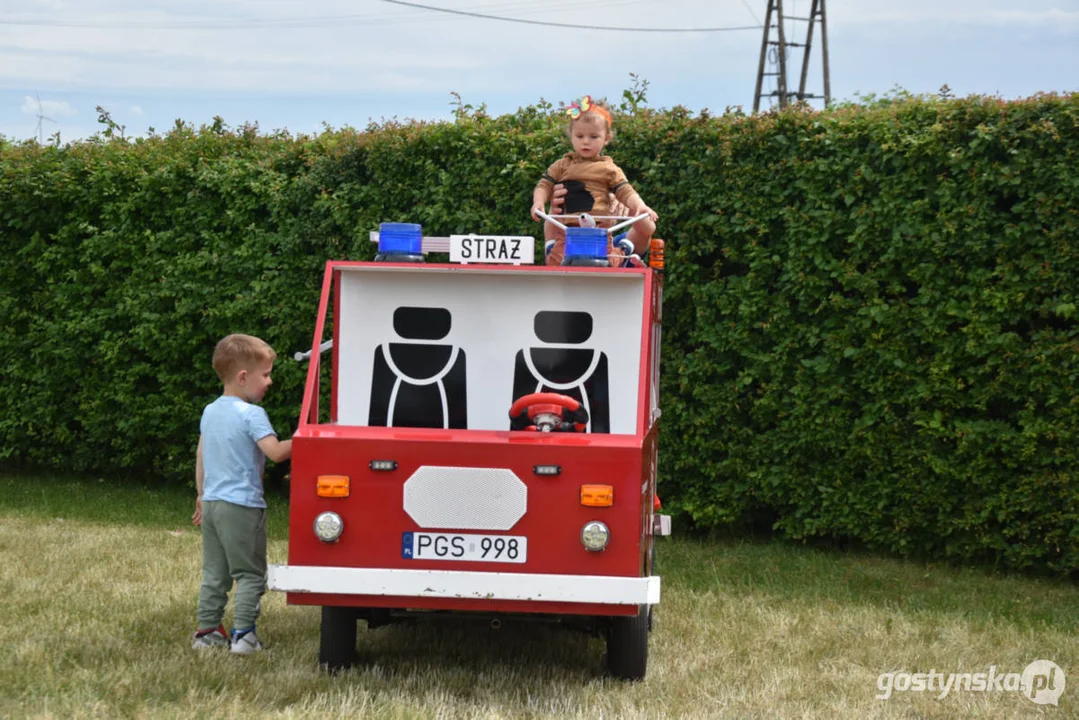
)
(233, 548)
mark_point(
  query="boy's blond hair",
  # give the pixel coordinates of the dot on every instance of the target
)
(238, 352)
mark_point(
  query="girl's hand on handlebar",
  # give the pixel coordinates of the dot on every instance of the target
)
(535, 209)
(643, 209)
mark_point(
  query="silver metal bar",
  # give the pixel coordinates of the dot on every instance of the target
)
(545, 216)
(627, 223)
(302, 356)
(612, 230)
(594, 217)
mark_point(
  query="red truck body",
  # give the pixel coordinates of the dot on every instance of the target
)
(480, 518)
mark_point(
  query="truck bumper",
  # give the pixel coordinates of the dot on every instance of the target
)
(470, 585)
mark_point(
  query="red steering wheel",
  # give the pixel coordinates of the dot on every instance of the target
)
(548, 412)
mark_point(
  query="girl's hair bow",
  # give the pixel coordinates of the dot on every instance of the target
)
(579, 106)
(585, 104)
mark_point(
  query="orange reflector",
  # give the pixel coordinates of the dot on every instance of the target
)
(332, 486)
(655, 253)
(597, 495)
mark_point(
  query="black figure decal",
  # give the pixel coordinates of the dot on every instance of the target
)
(417, 383)
(578, 199)
(577, 372)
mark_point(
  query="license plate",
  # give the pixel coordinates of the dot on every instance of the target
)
(500, 249)
(474, 548)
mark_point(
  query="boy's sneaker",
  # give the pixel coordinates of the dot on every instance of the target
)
(204, 639)
(245, 642)
(630, 258)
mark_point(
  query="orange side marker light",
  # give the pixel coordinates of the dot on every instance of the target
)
(655, 254)
(332, 486)
(597, 495)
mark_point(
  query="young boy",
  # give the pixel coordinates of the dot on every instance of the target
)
(236, 438)
(591, 180)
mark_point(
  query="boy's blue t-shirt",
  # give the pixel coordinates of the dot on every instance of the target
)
(232, 461)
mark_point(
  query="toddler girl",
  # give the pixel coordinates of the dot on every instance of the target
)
(591, 179)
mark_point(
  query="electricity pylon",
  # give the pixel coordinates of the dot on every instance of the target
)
(774, 52)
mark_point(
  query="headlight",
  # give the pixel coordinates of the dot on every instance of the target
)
(328, 526)
(595, 536)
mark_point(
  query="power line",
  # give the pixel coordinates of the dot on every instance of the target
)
(332, 20)
(279, 22)
(568, 25)
(755, 18)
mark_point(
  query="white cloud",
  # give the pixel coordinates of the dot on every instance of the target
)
(368, 47)
(49, 108)
(137, 109)
(931, 14)
(1053, 17)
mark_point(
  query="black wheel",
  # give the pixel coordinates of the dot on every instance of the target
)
(337, 638)
(627, 645)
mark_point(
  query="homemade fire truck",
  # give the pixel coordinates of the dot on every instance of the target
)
(489, 446)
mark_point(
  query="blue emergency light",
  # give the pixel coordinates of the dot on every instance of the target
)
(585, 246)
(400, 242)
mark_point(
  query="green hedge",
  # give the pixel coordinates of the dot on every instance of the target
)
(870, 314)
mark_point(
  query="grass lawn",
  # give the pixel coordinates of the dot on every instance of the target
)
(100, 583)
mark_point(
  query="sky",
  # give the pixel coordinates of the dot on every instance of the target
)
(302, 66)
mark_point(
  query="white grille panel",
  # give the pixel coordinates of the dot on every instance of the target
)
(461, 498)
